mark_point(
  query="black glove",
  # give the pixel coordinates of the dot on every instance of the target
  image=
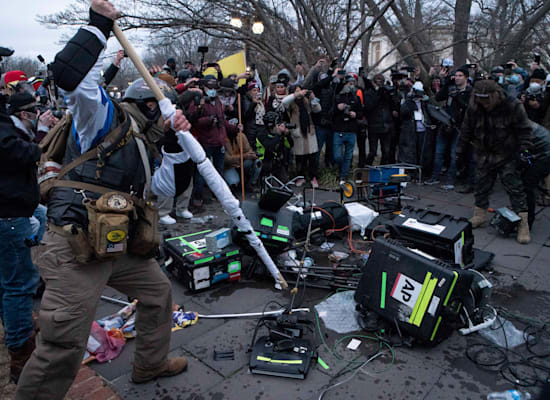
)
(170, 142)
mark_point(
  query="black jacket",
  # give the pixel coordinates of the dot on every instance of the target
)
(456, 101)
(19, 190)
(379, 105)
(341, 121)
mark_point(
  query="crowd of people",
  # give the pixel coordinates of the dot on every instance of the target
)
(462, 126)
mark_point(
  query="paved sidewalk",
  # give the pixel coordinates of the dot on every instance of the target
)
(521, 279)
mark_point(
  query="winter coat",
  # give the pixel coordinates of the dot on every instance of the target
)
(498, 135)
(303, 144)
(233, 151)
(19, 193)
(455, 101)
(342, 122)
(379, 106)
(210, 123)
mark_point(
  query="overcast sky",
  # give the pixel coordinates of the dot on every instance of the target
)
(21, 31)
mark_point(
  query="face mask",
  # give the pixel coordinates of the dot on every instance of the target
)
(227, 101)
(211, 93)
(513, 79)
(151, 115)
(535, 87)
(348, 89)
(500, 80)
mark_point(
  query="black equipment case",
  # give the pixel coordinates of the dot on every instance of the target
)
(440, 235)
(197, 268)
(416, 291)
(328, 215)
(274, 228)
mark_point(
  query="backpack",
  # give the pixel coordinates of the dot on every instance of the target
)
(53, 148)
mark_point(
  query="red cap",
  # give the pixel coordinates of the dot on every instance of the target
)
(14, 77)
(252, 85)
(36, 83)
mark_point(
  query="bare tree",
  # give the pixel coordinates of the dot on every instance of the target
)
(30, 66)
(294, 30)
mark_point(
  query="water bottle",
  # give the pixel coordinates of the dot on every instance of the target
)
(509, 395)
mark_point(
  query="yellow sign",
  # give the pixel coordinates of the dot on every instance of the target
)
(116, 236)
(234, 64)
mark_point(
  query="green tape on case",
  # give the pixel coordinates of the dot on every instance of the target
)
(435, 329)
(204, 260)
(322, 363)
(235, 266)
(266, 222)
(383, 291)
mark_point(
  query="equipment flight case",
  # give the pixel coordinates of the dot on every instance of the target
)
(440, 235)
(274, 228)
(419, 293)
(199, 269)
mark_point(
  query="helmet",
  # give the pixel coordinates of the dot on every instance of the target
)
(271, 118)
(283, 76)
(184, 74)
(351, 77)
(139, 91)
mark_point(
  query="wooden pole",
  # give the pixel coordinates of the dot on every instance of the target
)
(131, 53)
(241, 144)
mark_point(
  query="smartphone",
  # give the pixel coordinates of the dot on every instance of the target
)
(537, 58)
(299, 63)
(211, 65)
(509, 65)
(41, 59)
(203, 49)
(342, 72)
(125, 54)
(472, 66)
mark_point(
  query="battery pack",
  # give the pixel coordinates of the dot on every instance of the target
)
(199, 269)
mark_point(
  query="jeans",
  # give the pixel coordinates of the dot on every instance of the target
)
(252, 169)
(306, 165)
(217, 155)
(445, 143)
(324, 136)
(385, 139)
(38, 222)
(344, 141)
(18, 280)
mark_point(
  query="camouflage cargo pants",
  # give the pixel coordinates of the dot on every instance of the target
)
(510, 176)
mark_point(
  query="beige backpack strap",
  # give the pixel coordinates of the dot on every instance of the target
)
(81, 185)
(146, 167)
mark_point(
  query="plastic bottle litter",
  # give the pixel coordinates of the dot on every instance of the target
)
(509, 395)
(202, 220)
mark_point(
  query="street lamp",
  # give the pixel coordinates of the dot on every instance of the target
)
(258, 27)
(236, 22)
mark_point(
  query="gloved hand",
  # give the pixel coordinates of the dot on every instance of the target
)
(525, 159)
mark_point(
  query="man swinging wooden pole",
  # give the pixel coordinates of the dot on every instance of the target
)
(204, 165)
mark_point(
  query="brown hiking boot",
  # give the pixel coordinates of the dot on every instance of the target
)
(171, 367)
(19, 357)
(524, 236)
(481, 216)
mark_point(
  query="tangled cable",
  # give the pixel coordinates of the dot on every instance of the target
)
(524, 371)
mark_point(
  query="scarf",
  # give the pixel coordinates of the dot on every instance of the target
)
(260, 112)
(304, 117)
